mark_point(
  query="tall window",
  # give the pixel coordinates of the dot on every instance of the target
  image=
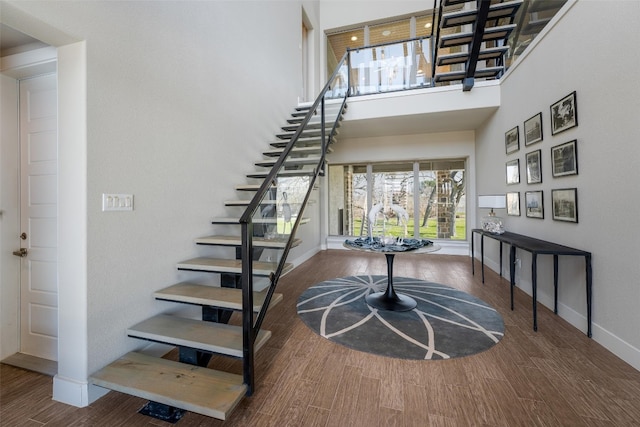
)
(393, 30)
(421, 199)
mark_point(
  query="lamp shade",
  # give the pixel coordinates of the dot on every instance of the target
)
(495, 201)
(492, 223)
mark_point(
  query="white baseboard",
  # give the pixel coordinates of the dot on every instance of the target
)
(76, 393)
(304, 257)
(602, 336)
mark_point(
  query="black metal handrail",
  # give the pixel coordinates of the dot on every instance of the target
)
(249, 327)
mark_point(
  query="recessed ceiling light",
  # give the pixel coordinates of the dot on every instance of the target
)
(386, 33)
(354, 38)
(427, 25)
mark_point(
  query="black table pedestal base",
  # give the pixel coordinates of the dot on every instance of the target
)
(389, 300)
(381, 301)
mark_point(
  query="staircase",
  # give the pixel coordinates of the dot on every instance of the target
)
(279, 191)
(272, 207)
(477, 33)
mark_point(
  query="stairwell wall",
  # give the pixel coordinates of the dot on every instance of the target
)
(573, 55)
(182, 98)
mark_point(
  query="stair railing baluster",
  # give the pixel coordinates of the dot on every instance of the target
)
(248, 334)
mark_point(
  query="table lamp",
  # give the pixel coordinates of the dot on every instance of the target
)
(492, 223)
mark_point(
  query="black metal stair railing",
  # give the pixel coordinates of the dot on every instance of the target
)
(308, 128)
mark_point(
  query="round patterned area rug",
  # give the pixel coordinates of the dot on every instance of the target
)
(446, 322)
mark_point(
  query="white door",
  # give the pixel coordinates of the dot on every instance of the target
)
(38, 217)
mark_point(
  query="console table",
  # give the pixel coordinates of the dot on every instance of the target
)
(535, 247)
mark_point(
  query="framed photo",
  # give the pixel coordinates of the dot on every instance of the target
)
(564, 114)
(534, 168)
(564, 159)
(513, 171)
(533, 130)
(512, 140)
(534, 204)
(565, 204)
(513, 203)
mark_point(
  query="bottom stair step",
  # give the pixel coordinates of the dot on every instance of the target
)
(196, 389)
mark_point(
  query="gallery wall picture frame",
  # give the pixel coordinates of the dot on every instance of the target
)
(564, 203)
(564, 159)
(513, 171)
(513, 203)
(564, 114)
(512, 140)
(533, 129)
(534, 167)
(534, 204)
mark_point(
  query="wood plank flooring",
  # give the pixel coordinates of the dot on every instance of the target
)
(554, 377)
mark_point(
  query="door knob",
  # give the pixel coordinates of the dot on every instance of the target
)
(21, 253)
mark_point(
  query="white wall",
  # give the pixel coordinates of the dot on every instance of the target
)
(347, 13)
(405, 147)
(181, 100)
(580, 54)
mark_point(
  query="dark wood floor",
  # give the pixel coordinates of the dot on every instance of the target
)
(554, 377)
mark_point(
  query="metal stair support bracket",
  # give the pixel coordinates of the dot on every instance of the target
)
(476, 43)
(250, 327)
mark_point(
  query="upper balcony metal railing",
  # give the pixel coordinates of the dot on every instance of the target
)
(387, 67)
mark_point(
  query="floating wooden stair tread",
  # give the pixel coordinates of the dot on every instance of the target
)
(461, 57)
(291, 161)
(292, 127)
(276, 243)
(215, 296)
(236, 220)
(223, 265)
(307, 133)
(303, 142)
(219, 338)
(248, 187)
(246, 202)
(459, 75)
(329, 105)
(466, 17)
(490, 34)
(297, 151)
(283, 173)
(315, 121)
(196, 389)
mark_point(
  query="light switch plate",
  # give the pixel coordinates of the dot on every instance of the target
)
(117, 202)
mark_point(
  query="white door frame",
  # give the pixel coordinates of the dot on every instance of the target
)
(70, 385)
